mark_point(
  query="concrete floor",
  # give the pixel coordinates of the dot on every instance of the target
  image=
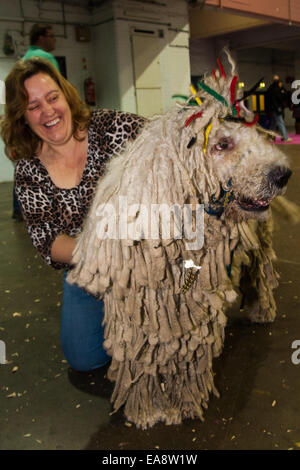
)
(41, 407)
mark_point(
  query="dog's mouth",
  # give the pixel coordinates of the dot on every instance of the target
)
(248, 204)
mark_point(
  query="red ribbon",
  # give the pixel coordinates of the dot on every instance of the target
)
(238, 109)
(232, 88)
(221, 68)
(249, 124)
(191, 118)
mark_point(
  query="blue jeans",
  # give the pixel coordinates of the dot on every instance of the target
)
(82, 333)
(279, 122)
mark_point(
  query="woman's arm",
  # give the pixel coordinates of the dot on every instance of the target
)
(62, 249)
(43, 223)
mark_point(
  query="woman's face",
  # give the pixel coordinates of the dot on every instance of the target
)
(48, 113)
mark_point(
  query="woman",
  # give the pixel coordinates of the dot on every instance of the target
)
(61, 149)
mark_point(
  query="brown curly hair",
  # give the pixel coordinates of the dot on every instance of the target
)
(20, 141)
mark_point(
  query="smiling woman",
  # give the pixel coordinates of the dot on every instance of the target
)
(61, 148)
(49, 116)
(37, 76)
(48, 113)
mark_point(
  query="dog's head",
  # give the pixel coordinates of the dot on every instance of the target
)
(250, 167)
(245, 169)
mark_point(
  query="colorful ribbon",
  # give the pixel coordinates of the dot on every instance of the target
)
(221, 68)
(194, 91)
(232, 88)
(191, 118)
(255, 120)
(212, 92)
(207, 131)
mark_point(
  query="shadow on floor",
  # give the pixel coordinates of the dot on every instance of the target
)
(242, 350)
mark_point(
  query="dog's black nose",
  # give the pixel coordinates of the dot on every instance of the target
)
(280, 176)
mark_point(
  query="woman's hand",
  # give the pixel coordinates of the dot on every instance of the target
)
(62, 249)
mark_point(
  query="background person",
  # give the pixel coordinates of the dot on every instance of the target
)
(42, 42)
(276, 101)
(61, 149)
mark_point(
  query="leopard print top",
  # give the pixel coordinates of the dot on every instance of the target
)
(48, 210)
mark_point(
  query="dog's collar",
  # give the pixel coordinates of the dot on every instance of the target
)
(221, 203)
(229, 117)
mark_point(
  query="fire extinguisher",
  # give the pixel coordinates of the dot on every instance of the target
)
(90, 92)
(8, 47)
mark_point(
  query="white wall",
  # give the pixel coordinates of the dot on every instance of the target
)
(105, 55)
(6, 63)
(172, 21)
(66, 44)
(202, 55)
(106, 68)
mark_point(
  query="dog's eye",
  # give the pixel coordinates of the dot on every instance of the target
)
(224, 144)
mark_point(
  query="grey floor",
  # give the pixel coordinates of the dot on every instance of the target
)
(41, 407)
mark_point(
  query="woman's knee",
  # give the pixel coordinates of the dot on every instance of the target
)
(82, 333)
(84, 360)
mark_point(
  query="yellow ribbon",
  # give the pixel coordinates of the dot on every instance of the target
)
(197, 99)
(207, 131)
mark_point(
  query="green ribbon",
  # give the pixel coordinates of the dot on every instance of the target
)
(216, 95)
(212, 93)
(234, 111)
(185, 98)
